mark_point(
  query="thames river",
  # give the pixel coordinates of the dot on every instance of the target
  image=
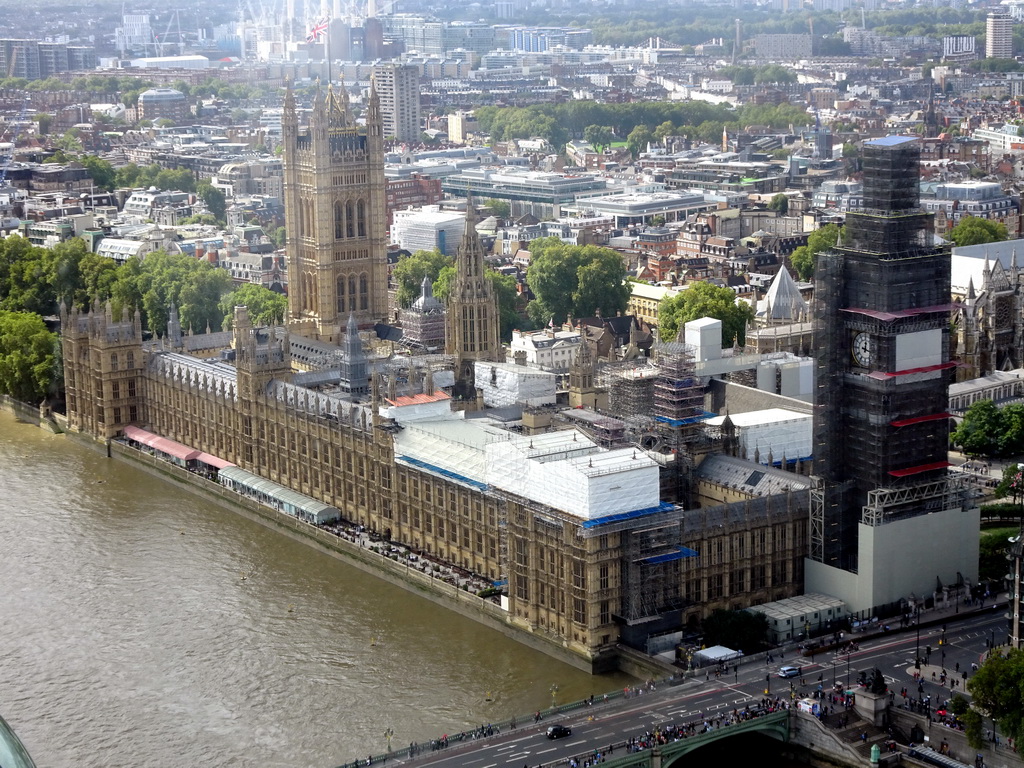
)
(129, 637)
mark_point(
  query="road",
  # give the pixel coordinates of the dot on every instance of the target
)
(965, 640)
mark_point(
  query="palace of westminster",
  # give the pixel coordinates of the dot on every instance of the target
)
(595, 539)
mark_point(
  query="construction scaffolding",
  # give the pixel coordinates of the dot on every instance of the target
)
(630, 387)
(651, 571)
(882, 361)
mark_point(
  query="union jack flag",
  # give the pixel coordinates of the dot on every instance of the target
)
(319, 28)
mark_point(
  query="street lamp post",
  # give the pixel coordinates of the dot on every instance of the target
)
(389, 734)
(917, 649)
(847, 670)
(833, 670)
(554, 691)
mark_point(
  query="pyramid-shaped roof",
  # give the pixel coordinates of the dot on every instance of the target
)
(783, 300)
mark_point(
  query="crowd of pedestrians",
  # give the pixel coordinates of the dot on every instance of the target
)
(420, 561)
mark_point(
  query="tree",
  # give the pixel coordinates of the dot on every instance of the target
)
(974, 231)
(779, 203)
(574, 280)
(992, 551)
(265, 306)
(746, 631)
(152, 284)
(803, 258)
(638, 139)
(100, 170)
(410, 271)
(705, 300)
(213, 198)
(500, 209)
(979, 431)
(995, 691)
(598, 136)
(27, 356)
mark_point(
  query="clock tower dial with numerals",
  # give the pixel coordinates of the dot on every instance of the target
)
(883, 363)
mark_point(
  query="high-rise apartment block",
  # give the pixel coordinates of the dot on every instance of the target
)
(999, 35)
(398, 87)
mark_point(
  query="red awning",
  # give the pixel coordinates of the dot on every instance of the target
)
(213, 461)
(919, 419)
(162, 444)
(918, 469)
(883, 375)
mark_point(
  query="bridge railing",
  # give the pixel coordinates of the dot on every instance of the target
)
(494, 728)
(634, 759)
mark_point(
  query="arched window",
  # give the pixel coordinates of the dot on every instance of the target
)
(339, 224)
(352, 292)
(349, 220)
(364, 299)
(131, 360)
(113, 361)
(361, 218)
(341, 294)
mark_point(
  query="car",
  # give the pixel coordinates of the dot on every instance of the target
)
(559, 731)
(789, 672)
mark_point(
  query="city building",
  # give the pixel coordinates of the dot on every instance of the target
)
(781, 47)
(398, 88)
(163, 104)
(999, 35)
(428, 229)
(883, 502)
(951, 202)
(334, 216)
(959, 48)
(39, 60)
(416, 191)
(550, 349)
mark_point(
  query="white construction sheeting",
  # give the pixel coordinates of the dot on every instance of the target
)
(453, 445)
(506, 384)
(567, 471)
(774, 431)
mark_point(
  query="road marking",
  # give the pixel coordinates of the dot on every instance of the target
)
(545, 751)
(517, 755)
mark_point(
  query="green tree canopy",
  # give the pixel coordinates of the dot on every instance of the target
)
(574, 280)
(745, 631)
(705, 300)
(803, 258)
(779, 203)
(974, 231)
(213, 198)
(638, 139)
(501, 209)
(100, 170)
(996, 691)
(409, 272)
(987, 430)
(265, 306)
(153, 283)
(28, 354)
(599, 137)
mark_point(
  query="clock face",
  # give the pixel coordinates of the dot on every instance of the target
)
(863, 349)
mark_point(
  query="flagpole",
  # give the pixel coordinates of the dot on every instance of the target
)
(327, 47)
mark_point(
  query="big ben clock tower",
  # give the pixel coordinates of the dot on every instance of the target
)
(883, 499)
